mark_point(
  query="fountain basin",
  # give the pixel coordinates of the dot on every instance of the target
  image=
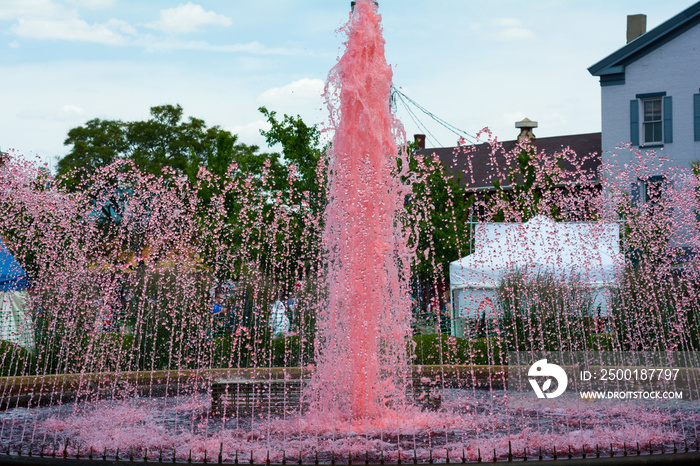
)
(245, 397)
(40, 390)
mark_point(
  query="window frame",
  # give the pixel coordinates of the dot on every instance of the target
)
(663, 121)
(652, 125)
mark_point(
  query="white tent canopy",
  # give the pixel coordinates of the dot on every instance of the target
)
(589, 251)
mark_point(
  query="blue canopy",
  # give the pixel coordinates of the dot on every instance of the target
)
(12, 275)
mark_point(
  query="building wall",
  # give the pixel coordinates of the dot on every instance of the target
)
(673, 68)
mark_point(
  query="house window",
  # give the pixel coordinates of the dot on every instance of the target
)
(652, 124)
(652, 189)
(651, 119)
(649, 191)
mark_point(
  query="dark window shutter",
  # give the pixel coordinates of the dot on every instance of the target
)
(635, 192)
(634, 122)
(668, 120)
(696, 108)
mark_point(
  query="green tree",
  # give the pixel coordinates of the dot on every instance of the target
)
(271, 202)
(298, 183)
(529, 185)
(437, 215)
(164, 140)
(224, 152)
(301, 147)
(96, 144)
(165, 143)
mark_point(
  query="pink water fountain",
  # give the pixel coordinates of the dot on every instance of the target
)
(367, 319)
(127, 363)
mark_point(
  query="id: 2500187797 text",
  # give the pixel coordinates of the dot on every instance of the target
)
(636, 374)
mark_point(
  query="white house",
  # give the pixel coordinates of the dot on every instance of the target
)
(650, 90)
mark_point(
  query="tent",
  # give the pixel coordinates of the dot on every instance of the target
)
(589, 251)
(16, 323)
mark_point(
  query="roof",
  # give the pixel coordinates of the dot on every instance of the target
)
(474, 164)
(611, 69)
(589, 251)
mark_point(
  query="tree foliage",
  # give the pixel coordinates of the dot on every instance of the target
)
(529, 186)
(267, 198)
(301, 148)
(96, 144)
(165, 140)
(299, 184)
(437, 214)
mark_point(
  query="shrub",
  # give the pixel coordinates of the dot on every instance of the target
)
(444, 349)
(239, 351)
(15, 360)
(291, 352)
(655, 309)
(541, 312)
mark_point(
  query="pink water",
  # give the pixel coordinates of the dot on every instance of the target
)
(472, 424)
(358, 394)
(365, 324)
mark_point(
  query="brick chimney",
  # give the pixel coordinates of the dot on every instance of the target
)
(526, 125)
(419, 140)
(636, 26)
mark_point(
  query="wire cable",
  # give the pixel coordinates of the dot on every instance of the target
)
(459, 132)
(419, 124)
(444, 123)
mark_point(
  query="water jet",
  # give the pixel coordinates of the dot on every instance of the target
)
(129, 364)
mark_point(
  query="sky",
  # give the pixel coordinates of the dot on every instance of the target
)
(472, 63)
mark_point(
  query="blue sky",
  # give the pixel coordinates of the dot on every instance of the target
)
(473, 63)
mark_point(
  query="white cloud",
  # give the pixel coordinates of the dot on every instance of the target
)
(187, 18)
(71, 111)
(50, 20)
(93, 4)
(73, 29)
(514, 34)
(507, 22)
(121, 26)
(255, 48)
(249, 133)
(301, 92)
(66, 25)
(508, 29)
(46, 19)
(14, 9)
(50, 95)
(14, 44)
